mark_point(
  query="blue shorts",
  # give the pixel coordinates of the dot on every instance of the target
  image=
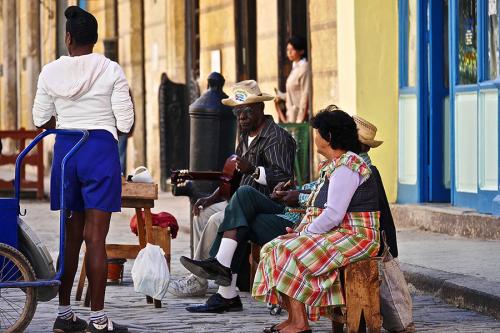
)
(93, 177)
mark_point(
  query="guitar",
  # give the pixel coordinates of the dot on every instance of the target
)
(229, 178)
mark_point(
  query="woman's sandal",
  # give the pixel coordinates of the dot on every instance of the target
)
(271, 329)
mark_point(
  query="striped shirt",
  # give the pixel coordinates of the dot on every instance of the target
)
(274, 150)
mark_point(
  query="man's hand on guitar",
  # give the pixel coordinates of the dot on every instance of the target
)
(200, 204)
(244, 166)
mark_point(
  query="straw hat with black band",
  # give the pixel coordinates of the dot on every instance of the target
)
(366, 132)
(246, 92)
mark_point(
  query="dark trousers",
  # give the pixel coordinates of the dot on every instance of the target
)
(254, 216)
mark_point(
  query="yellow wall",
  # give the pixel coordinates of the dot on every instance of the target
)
(130, 56)
(368, 75)
(163, 53)
(98, 9)
(24, 118)
(267, 52)
(48, 54)
(323, 57)
(377, 81)
(217, 33)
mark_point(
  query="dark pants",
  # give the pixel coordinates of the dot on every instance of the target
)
(254, 216)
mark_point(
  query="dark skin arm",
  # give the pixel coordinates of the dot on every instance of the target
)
(289, 197)
(205, 202)
(51, 124)
(244, 166)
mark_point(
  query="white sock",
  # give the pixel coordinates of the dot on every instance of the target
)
(65, 312)
(98, 317)
(226, 251)
(229, 291)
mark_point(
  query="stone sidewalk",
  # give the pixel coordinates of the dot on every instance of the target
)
(127, 307)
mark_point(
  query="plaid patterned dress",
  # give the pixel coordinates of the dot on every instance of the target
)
(305, 267)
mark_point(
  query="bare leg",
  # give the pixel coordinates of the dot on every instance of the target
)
(73, 243)
(286, 305)
(96, 230)
(298, 319)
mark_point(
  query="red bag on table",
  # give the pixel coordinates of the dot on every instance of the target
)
(162, 220)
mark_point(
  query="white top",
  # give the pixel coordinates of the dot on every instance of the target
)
(343, 184)
(262, 173)
(84, 92)
(297, 91)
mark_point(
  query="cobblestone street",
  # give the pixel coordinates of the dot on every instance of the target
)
(127, 307)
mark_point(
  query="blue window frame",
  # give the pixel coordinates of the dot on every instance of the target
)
(422, 105)
(474, 105)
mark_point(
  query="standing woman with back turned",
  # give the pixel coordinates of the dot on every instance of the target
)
(88, 91)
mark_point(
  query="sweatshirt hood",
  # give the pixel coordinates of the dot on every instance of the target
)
(73, 77)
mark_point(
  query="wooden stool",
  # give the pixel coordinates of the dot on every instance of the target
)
(254, 259)
(362, 294)
(160, 236)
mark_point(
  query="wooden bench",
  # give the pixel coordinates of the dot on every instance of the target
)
(140, 196)
(361, 288)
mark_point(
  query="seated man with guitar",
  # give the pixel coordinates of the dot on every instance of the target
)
(264, 157)
(250, 215)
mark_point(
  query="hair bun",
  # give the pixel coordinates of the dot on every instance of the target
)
(73, 12)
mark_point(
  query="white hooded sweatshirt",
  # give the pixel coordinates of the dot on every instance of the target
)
(84, 92)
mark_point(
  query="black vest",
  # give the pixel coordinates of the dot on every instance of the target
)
(365, 198)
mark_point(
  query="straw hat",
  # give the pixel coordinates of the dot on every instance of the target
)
(366, 132)
(246, 92)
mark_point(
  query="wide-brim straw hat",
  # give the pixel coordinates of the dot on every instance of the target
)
(366, 132)
(246, 92)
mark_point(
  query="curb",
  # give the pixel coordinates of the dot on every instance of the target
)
(447, 220)
(463, 291)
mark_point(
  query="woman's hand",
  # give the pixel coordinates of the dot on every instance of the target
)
(291, 233)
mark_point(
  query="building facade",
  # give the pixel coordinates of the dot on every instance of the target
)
(449, 103)
(352, 48)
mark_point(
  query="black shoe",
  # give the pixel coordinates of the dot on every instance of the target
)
(108, 327)
(209, 269)
(73, 324)
(218, 304)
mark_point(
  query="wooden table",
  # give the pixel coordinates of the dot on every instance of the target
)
(140, 196)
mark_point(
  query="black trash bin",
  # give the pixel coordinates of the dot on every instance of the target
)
(212, 133)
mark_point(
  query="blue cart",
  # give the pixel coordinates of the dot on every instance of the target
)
(27, 274)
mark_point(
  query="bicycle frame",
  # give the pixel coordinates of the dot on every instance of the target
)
(62, 215)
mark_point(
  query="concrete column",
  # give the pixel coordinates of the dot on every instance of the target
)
(9, 44)
(33, 55)
(131, 56)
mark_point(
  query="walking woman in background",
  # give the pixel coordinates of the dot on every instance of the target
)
(297, 92)
(88, 91)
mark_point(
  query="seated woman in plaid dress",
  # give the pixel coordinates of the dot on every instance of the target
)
(341, 226)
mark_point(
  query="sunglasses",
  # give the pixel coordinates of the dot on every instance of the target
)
(248, 110)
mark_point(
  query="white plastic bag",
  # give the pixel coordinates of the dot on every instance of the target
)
(150, 272)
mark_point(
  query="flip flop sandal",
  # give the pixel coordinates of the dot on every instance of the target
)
(271, 329)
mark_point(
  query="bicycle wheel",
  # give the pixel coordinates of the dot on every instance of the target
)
(17, 305)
